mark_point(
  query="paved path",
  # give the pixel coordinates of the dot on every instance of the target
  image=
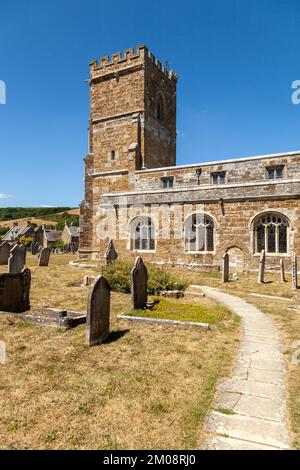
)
(254, 397)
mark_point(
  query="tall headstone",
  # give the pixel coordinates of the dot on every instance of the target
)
(26, 273)
(44, 257)
(15, 291)
(282, 270)
(225, 268)
(98, 309)
(4, 252)
(17, 259)
(110, 255)
(35, 248)
(139, 280)
(262, 265)
(294, 271)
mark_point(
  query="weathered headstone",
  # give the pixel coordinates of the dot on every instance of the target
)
(17, 259)
(225, 268)
(139, 279)
(282, 271)
(2, 352)
(14, 291)
(110, 255)
(262, 265)
(97, 321)
(35, 248)
(294, 271)
(4, 252)
(44, 257)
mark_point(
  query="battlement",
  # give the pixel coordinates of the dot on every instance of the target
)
(128, 59)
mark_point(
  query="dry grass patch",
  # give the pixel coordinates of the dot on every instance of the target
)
(148, 387)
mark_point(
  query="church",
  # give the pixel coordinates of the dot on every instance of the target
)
(177, 215)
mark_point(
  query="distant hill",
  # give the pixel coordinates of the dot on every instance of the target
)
(56, 216)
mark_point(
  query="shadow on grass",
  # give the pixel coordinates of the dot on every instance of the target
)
(115, 335)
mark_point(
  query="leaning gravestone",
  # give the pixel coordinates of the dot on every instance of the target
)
(225, 268)
(110, 255)
(262, 265)
(139, 279)
(44, 257)
(97, 320)
(294, 271)
(14, 291)
(282, 271)
(17, 259)
(4, 252)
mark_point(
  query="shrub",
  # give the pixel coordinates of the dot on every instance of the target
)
(118, 276)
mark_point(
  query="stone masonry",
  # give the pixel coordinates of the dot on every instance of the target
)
(132, 161)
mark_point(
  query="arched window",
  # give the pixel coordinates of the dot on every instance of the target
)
(199, 233)
(271, 233)
(142, 234)
(160, 108)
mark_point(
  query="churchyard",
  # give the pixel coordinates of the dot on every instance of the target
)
(148, 386)
(156, 379)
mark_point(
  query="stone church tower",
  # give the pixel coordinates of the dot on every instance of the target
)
(132, 126)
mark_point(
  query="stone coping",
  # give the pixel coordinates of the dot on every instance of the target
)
(161, 321)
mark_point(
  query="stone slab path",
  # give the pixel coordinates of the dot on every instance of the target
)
(252, 401)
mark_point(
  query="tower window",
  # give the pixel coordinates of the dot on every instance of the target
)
(168, 182)
(160, 108)
(113, 155)
(275, 172)
(218, 177)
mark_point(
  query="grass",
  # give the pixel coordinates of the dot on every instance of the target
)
(207, 311)
(158, 381)
(286, 315)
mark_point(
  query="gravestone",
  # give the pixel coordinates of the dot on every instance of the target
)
(225, 268)
(110, 255)
(2, 352)
(139, 279)
(294, 271)
(97, 320)
(35, 248)
(262, 265)
(4, 253)
(44, 257)
(17, 259)
(15, 291)
(282, 271)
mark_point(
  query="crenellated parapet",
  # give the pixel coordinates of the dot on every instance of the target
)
(130, 58)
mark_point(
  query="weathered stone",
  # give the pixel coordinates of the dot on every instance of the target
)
(4, 252)
(139, 280)
(2, 352)
(35, 247)
(44, 257)
(225, 268)
(98, 311)
(262, 265)
(294, 271)
(14, 291)
(17, 259)
(282, 271)
(110, 255)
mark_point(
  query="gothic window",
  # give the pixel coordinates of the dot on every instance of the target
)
(142, 234)
(275, 172)
(219, 177)
(199, 233)
(271, 233)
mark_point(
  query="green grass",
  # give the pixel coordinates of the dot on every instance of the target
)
(178, 310)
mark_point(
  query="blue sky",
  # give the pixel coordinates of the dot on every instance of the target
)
(236, 61)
